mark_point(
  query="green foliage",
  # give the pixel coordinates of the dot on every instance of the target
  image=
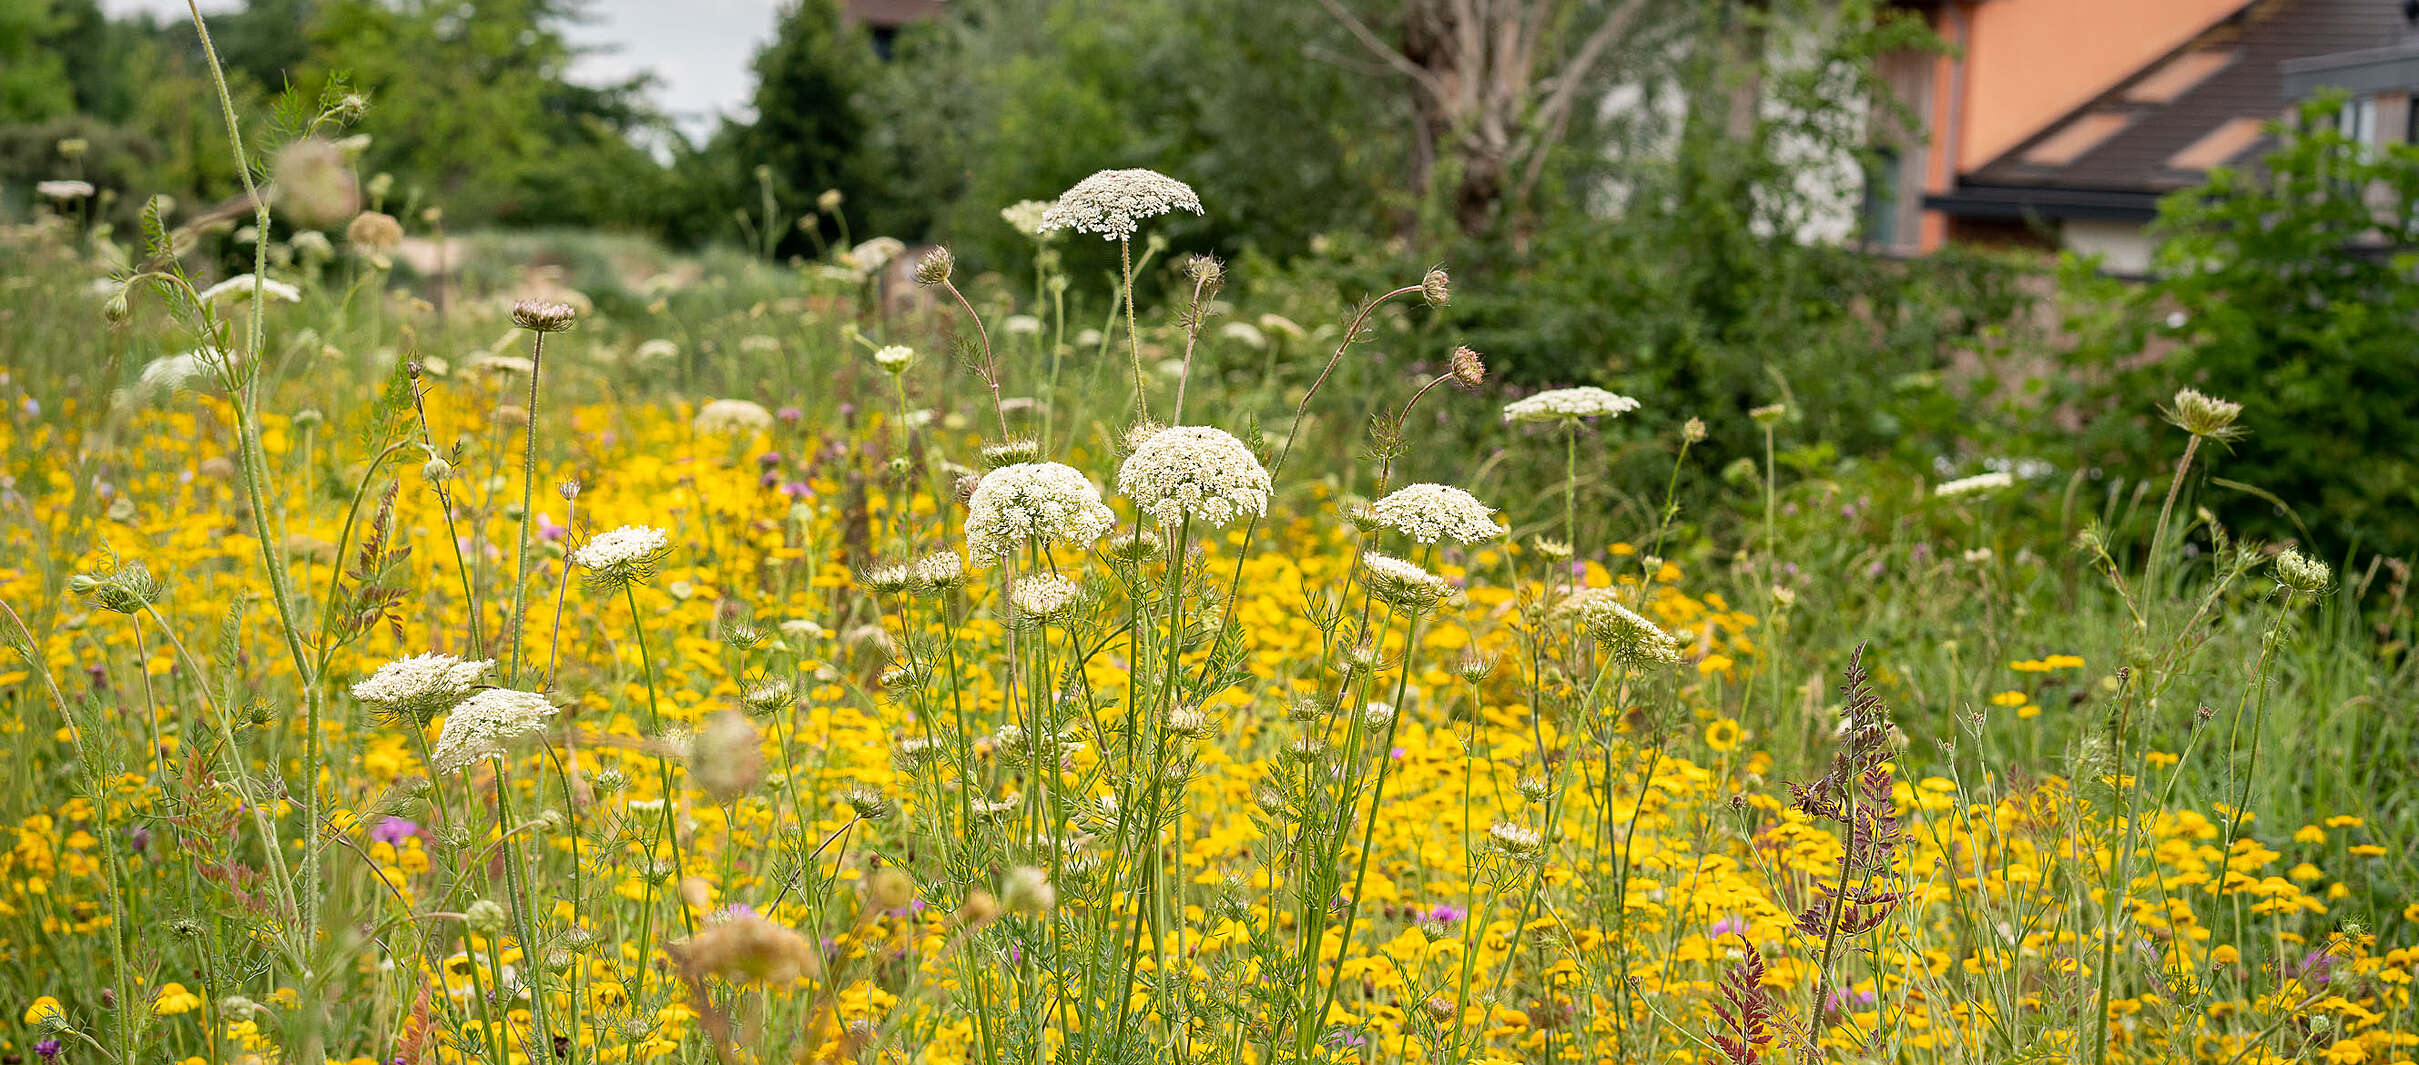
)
(478, 114)
(33, 79)
(1018, 99)
(2287, 287)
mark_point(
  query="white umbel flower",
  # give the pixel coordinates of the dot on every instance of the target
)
(1044, 501)
(1027, 215)
(242, 287)
(1113, 203)
(894, 358)
(1046, 596)
(482, 723)
(1518, 841)
(1401, 583)
(939, 571)
(1431, 512)
(63, 190)
(1623, 632)
(1193, 471)
(165, 375)
(737, 417)
(624, 555)
(1568, 405)
(1975, 485)
(2302, 573)
(421, 686)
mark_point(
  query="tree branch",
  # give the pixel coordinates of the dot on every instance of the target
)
(1369, 39)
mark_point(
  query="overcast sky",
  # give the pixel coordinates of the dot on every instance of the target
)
(697, 49)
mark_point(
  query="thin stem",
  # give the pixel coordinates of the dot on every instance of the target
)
(1125, 260)
(529, 482)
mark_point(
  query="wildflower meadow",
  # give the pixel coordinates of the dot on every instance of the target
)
(865, 658)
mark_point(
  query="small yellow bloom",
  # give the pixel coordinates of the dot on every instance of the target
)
(2310, 834)
(174, 999)
(1723, 735)
(46, 1006)
(2010, 698)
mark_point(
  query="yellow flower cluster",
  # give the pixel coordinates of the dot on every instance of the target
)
(1537, 888)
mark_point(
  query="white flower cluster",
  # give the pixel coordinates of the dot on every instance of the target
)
(877, 253)
(1975, 485)
(419, 687)
(479, 726)
(2302, 573)
(894, 358)
(1431, 512)
(1624, 632)
(1046, 596)
(732, 416)
(1401, 583)
(1045, 501)
(1113, 203)
(1027, 215)
(1518, 841)
(625, 554)
(165, 375)
(1568, 405)
(939, 571)
(1193, 471)
(63, 190)
(245, 286)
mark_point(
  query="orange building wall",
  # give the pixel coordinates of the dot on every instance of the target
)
(2027, 62)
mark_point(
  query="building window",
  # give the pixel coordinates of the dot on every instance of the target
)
(1881, 198)
(2358, 121)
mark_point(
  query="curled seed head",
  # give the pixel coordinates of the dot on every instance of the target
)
(936, 267)
(1436, 288)
(544, 316)
(1469, 368)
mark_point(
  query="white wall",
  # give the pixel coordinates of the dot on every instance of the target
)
(2123, 247)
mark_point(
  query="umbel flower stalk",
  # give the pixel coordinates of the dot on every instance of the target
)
(1112, 204)
(539, 318)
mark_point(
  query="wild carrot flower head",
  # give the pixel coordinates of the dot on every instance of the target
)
(374, 232)
(1401, 583)
(544, 316)
(1193, 471)
(1469, 368)
(623, 556)
(2207, 417)
(894, 358)
(1045, 597)
(1518, 841)
(1567, 405)
(2302, 573)
(243, 287)
(939, 572)
(877, 253)
(1113, 203)
(748, 949)
(736, 417)
(1431, 512)
(1975, 485)
(1623, 632)
(1033, 501)
(63, 190)
(420, 687)
(480, 725)
(169, 374)
(1026, 216)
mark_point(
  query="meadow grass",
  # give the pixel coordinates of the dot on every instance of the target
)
(779, 665)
